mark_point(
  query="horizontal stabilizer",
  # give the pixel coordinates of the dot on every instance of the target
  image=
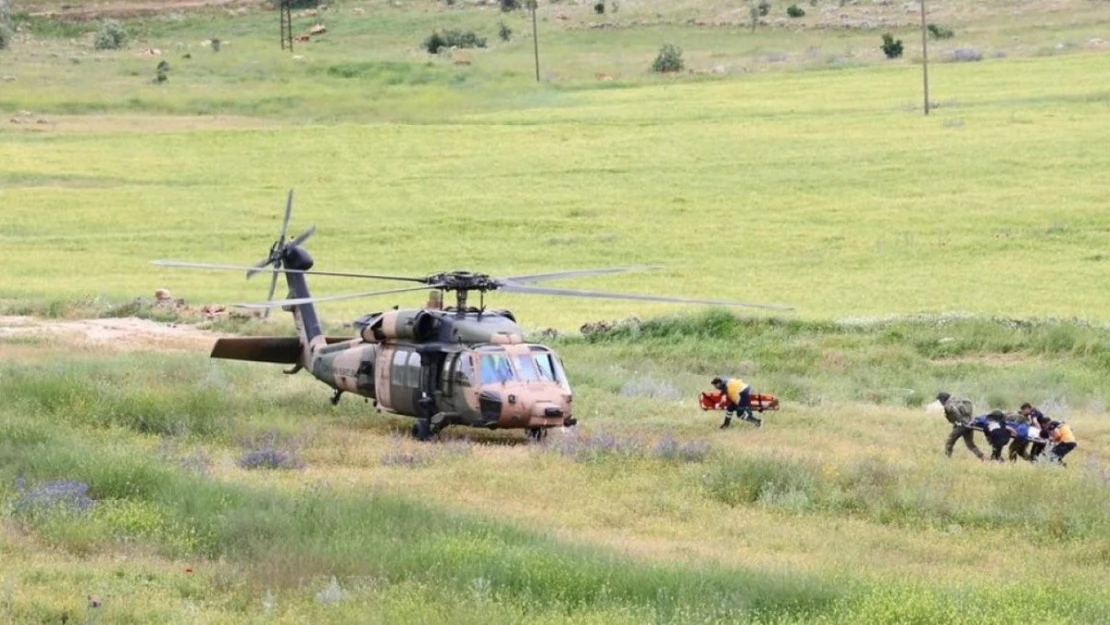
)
(284, 350)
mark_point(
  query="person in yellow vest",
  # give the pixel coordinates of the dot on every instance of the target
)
(739, 396)
(1063, 440)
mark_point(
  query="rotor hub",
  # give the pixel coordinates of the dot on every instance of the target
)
(463, 281)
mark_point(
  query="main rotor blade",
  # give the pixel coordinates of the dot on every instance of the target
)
(255, 268)
(331, 298)
(556, 275)
(288, 214)
(538, 290)
(302, 237)
(273, 287)
(312, 272)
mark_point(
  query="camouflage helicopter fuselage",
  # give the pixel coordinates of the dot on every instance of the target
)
(443, 366)
(472, 368)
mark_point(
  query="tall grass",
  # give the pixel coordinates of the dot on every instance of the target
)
(1049, 505)
(896, 361)
(168, 395)
(284, 539)
(379, 546)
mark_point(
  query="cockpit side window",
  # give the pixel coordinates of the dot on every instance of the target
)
(544, 367)
(464, 370)
(548, 366)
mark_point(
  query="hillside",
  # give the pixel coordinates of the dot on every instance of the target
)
(141, 481)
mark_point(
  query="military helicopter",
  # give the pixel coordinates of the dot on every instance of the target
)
(442, 366)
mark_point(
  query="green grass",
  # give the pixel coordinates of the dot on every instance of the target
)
(169, 498)
(755, 189)
(285, 538)
(899, 362)
(793, 166)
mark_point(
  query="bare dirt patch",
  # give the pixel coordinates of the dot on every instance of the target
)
(91, 124)
(115, 334)
(123, 10)
(994, 360)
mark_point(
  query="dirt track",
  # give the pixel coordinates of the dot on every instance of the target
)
(89, 11)
(117, 334)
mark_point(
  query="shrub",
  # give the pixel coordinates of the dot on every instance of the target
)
(668, 60)
(269, 459)
(671, 450)
(596, 447)
(39, 501)
(111, 36)
(453, 39)
(891, 47)
(270, 452)
(753, 479)
(5, 36)
(510, 5)
(599, 7)
(941, 32)
(398, 457)
(966, 55)
(795, 11)
(504, 32)
(763, 8)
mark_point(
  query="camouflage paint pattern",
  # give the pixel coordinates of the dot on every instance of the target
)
(430, 338)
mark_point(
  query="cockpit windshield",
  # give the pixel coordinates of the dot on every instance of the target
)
(538, 365)
(495, 367)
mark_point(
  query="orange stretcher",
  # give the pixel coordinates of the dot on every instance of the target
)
(715, 400)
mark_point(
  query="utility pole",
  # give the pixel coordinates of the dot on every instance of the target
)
(535, 39)
(925, 56)
(286, 19)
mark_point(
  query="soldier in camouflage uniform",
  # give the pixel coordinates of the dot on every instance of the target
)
(959, 413)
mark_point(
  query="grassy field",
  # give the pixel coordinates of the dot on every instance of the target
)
(791, 165)
(218, 485)
(826, 189)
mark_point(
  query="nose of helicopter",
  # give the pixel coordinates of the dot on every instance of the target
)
(545, 413)
(529, 407)
(546, 408)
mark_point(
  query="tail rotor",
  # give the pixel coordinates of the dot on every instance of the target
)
(277, 250)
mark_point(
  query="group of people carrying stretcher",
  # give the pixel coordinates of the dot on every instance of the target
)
(1029, 432)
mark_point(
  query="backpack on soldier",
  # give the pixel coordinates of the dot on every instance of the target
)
(958, 410)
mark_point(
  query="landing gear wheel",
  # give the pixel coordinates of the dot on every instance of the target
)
(437, 423)
(537, 434)
(422, 430)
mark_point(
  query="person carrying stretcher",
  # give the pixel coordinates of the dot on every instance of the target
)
(738, 394)
(995, 429)
(1063, 440)
(1027, 427)
(958, 412)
